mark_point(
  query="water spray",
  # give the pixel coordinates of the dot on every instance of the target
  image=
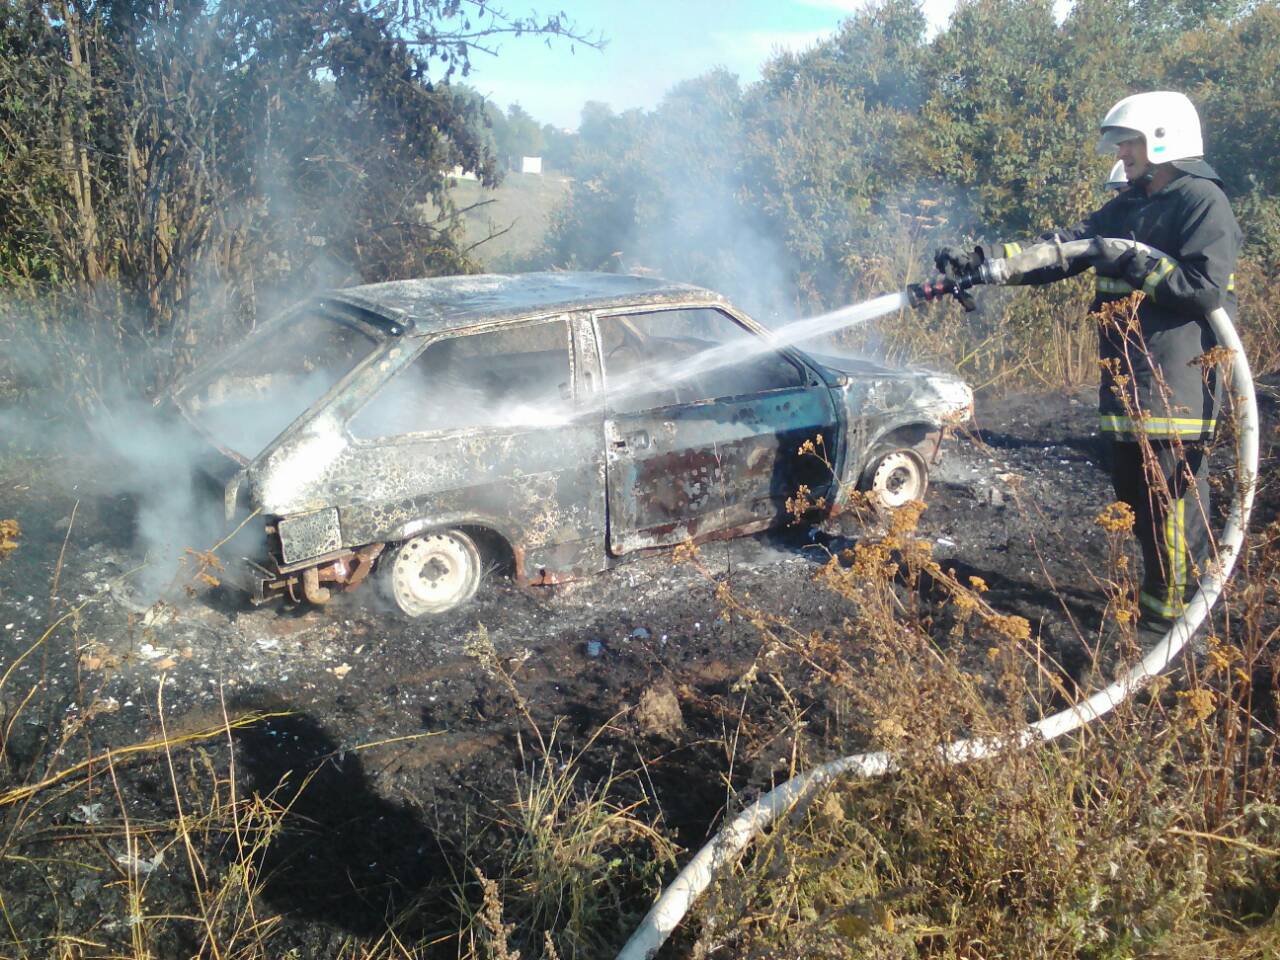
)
(670, 373)
(726, 845)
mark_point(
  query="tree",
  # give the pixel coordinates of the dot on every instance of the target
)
(592, 230)
(524, 136)
(844, 165)
(559, 146)
(1233, 75)
(994, 117)
(877, 56)
(186, 147)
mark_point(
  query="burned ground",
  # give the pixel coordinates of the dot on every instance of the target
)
(411, 746)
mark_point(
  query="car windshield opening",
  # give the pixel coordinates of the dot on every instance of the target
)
(251, 396)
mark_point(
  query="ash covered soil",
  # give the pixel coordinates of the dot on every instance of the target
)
(639, 657)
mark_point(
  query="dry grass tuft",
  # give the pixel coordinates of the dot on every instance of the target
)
(9, 533)
(571, 855)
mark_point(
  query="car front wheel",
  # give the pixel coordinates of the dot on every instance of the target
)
(897, 478)
(432, 573)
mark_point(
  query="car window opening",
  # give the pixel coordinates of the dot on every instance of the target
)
(649, 359)
(510, 377)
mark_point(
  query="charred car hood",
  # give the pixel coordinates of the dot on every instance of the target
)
(870, 387)
(857, 367)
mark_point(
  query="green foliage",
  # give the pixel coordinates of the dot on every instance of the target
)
(558, 147)
(305, 148)
(836, 175)
(195, 156)
(878, 56)
(514, 133)
(525, 136)
(1233, 74)
(592, 228)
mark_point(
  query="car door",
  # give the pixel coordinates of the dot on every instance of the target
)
(484, 427)
(704, 426)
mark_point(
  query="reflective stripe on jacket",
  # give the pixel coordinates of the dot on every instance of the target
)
(1111, 288)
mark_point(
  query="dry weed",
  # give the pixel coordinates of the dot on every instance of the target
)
(9, 533)
(1153, 835)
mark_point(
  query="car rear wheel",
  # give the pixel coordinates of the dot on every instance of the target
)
(432, 573)
(897, 478)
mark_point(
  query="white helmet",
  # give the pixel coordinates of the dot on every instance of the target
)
(1116, 180)
(1167, 120)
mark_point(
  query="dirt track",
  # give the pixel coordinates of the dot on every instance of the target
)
(1016, 509)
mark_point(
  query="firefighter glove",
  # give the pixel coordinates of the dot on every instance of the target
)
(1121, 261)
(955, 260)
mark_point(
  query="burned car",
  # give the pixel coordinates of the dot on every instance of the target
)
(557, 422)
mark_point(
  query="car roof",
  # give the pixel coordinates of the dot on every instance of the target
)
(438, 304)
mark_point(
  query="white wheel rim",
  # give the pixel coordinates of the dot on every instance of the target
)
(433, 573)
(898, 479)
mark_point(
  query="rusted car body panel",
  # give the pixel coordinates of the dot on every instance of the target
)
(675, 473)
(570, 492)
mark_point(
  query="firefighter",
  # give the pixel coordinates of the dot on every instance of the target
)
(1154, 395)
(1116, 179)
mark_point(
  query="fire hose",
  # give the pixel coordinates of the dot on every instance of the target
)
(733, 838)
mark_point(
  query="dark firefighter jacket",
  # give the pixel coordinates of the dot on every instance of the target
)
(1151, 383)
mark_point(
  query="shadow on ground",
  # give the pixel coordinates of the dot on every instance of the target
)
(345, 856)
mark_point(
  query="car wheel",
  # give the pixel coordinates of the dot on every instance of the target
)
(897, 478)
(432, 573)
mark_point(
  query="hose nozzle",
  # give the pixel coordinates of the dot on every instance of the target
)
(918, 294)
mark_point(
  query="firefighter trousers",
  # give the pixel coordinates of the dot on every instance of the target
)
(1168, 491)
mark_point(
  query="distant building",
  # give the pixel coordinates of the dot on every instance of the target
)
(528, 165)
(457, 173)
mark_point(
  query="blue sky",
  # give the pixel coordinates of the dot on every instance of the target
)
(652, 45)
